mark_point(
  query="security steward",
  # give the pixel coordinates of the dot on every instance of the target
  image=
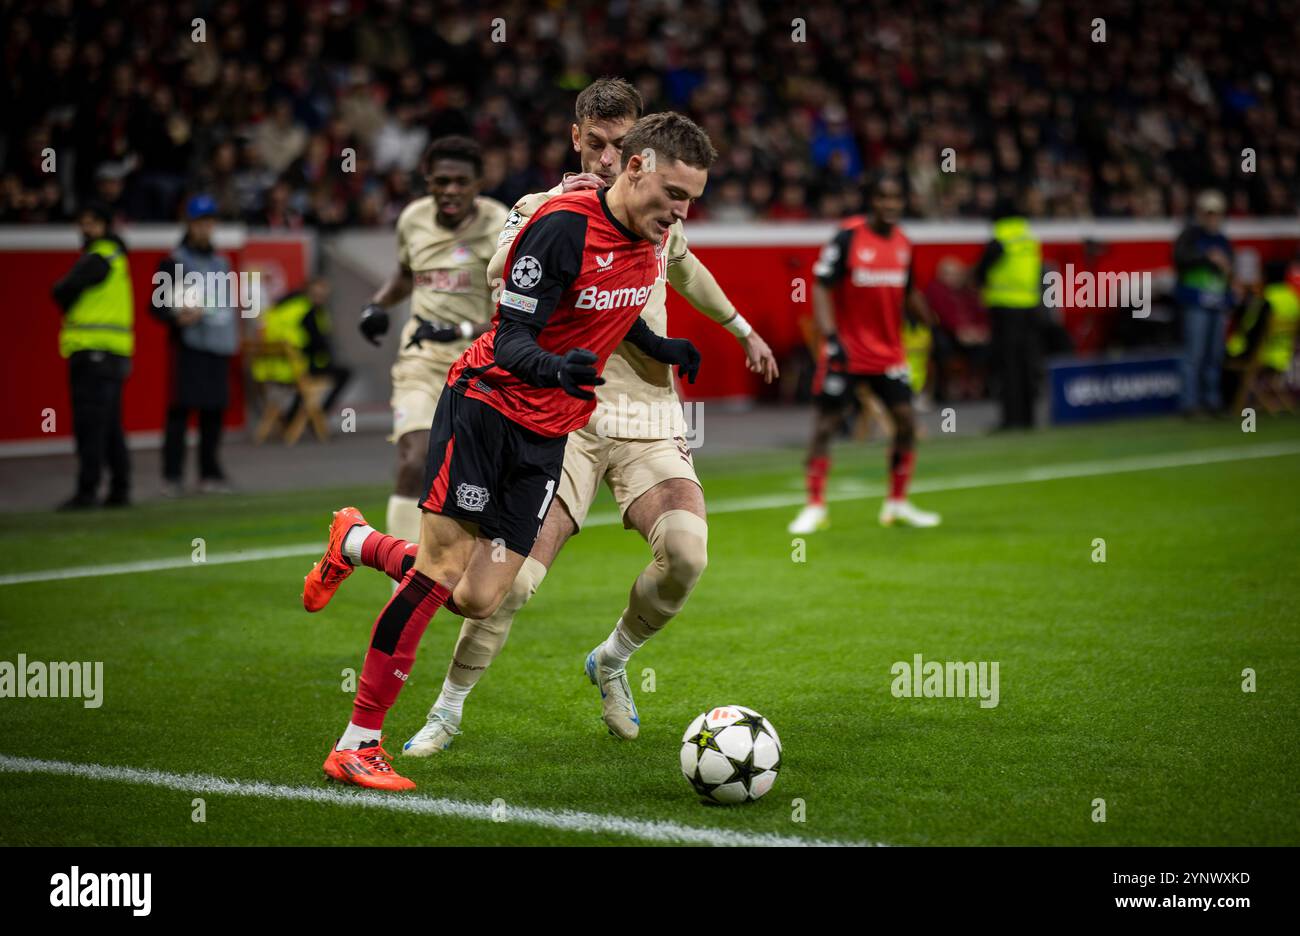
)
(1011, 272)
(98, 338)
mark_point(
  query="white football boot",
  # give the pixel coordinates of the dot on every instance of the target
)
(436, 735)
(902, 511)
(812, 518)
(619, 713)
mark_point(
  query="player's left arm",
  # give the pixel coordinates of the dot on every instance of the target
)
(678, 351)
(443, 332)
(693, 281)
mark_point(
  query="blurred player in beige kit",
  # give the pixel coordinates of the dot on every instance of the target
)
(444, 243)
(635, 442)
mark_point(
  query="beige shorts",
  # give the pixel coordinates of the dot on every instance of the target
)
(629, 466)
(417, 385)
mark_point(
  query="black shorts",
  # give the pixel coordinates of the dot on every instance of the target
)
(486, 469)
(839, 389)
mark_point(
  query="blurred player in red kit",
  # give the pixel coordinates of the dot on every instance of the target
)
(863, 284)
(578, 276)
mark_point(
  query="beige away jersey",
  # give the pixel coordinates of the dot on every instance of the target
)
(448, 272)
(638, 399)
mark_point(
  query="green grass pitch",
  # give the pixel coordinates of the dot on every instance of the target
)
(1120, 681)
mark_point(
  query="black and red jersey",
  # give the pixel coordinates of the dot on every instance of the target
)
(870, 276)
(581, 278)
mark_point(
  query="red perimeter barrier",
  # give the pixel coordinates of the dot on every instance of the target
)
(758, 265)
(36, 377)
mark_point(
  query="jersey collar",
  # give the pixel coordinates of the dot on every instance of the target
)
(619, 225)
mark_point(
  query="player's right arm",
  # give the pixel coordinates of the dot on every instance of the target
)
(829, 271)
(374, 317)
(546, 260)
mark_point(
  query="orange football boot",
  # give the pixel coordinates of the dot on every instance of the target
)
(366, 767)
(329, 572)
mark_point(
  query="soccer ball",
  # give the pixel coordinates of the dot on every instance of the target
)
(731, 754)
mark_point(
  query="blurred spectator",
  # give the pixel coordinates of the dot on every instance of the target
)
(301, 321)
(204, 336)
(1116, 129)
(278, 140)
(1203, 260)
(961, 340)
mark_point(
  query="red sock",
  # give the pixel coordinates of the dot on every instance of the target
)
(818, 467)
(392, 646)
(900, 472)
(390, 555)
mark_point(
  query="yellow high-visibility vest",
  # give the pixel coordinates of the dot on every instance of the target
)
(1279, 344)
(1015, 280)
(102, 318)
(917, 340)
(283, 324)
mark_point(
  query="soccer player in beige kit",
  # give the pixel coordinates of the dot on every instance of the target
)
(444, 243)
(635, 442)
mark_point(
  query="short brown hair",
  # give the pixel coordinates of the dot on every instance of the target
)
(608, 99)
(670, 135)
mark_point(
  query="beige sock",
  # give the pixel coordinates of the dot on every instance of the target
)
(403, 518)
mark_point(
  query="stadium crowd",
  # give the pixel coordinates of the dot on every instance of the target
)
(262, 112)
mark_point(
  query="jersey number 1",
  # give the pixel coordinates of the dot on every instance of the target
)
(550, 492)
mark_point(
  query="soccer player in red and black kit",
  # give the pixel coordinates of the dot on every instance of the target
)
(864, 280)
(577, 277)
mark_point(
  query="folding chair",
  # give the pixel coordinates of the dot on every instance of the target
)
(277, 397)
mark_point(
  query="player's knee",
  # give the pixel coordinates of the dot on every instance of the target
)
(680, 541)
(521, 590)
(687, 557)
(475, 603)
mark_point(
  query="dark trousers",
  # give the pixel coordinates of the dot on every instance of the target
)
(209, 441)
(1203, 340)
(96, 379)
(1015, 353)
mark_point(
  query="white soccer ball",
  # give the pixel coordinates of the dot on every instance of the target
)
(731, 754)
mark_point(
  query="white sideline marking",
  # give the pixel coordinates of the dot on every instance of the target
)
(562, 820)
(843, 492)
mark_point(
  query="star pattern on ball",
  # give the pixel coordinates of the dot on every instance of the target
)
(756, 724)
(706, 740)
(744, 771)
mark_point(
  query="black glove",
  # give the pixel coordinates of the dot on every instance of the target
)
(374, 323)
(578, 369)
(835, 352)
(682, 353)
(433, 331)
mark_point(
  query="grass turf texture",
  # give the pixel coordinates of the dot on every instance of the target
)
(1119, 681)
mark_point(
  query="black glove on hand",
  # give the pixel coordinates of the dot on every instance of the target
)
(835, 352)
(682, 353)
(433, 331)
(578, 369)
(374, 323)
